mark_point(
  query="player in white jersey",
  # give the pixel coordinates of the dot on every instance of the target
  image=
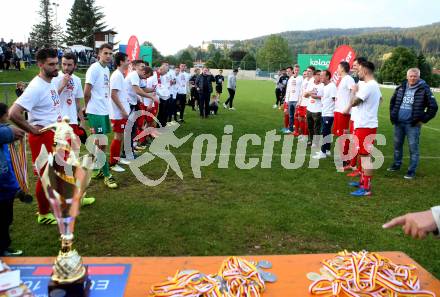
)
(119, 110)
(367, 99)
(182, 81)
(328, 108)
(97, 103)
(355, 162)
(40, 99)
(303, 101)
(314, 106)
(71, 92)
(293, 92)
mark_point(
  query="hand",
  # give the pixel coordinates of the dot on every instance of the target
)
(66, 79)
(417, 224)
(124, 114)
(18, 133)
(346, 110)
(36, 130)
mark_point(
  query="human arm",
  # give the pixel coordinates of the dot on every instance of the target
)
(16, 116)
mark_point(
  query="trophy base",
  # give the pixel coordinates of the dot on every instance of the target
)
(79, 288)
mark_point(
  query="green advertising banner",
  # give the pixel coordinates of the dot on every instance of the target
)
(146, 54)
(320, 62)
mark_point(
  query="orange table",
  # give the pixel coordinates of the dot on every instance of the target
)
(291, 270)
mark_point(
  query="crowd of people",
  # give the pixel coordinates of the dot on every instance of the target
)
(149, 98)
(15, 55)
(315, 107)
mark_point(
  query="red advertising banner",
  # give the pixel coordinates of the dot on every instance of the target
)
(133, 48)
(342, 53)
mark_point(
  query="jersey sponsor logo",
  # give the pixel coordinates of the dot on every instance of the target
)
(69, 101)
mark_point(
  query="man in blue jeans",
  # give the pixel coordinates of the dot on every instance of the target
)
(411, 105)
(293, 91)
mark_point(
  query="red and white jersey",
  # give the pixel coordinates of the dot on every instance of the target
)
(315, 105)
(304, 86)
(72, 91)
(369, 93)
(328, 101)
(118, 83)
(293, 89)
(40, 99)
(132, 79)
(354, 109)
(343, 95)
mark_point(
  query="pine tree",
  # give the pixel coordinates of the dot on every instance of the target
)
(85, 19)
(45, 34)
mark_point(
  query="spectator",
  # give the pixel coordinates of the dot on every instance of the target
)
(204, 87)
(19, 88)
(232, 86)
(213, 105)
(411, 105)
(8, 57)
(2, 57)
(18, 56)
(27, 54)
(8, 182)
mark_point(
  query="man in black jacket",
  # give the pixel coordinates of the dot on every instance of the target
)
(204, 87)
(411, 105)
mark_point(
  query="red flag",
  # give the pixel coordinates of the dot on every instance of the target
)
(133, 48)
(342, 53)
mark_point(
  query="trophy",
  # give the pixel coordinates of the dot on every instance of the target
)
(65, 178)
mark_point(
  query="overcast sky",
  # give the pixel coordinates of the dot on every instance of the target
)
(174, 24)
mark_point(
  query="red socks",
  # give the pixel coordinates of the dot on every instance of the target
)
(115, 152)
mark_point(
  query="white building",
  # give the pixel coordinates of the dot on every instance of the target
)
(218, 44)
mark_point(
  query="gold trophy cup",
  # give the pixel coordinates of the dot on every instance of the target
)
(65, 178)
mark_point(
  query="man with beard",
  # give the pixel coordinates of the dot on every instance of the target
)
(41, 101)
(70, 91)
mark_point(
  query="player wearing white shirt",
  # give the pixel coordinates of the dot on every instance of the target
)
(97, 103)
(342, 121)
(40, 99)
(70, 91)
(293, 91)
(303, 101)
(172, 110)
(182, 81)
(163, 91)
(314, 106)
(355, 163)
(328, 108)
(135, 95)
(367, 99)
(146, 105)
(119, 109)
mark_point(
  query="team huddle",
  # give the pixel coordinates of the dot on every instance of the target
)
(314, 106)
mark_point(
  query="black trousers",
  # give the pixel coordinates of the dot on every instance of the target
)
(6, 215)
(314, 122)
(172, 109)
(278, 94)
(181, 101)
(163, 112)
(231, 97)
(204, 104)
(194, 98)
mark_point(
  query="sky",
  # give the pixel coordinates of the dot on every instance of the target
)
(174, 24)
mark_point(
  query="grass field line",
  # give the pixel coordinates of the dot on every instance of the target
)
(279, 155)
(423, 126)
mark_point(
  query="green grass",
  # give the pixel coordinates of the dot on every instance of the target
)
(258, 211)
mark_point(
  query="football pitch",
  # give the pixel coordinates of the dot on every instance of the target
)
(233, 211)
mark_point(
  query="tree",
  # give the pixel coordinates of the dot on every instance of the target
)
(186, 58)
(248, 62)
(45, 34)
(274, 53)
(171, 60)
(394, 68)
(237, 55)
(85, 19)
(425, 69)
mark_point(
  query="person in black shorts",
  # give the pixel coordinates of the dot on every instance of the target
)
(219, 79)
